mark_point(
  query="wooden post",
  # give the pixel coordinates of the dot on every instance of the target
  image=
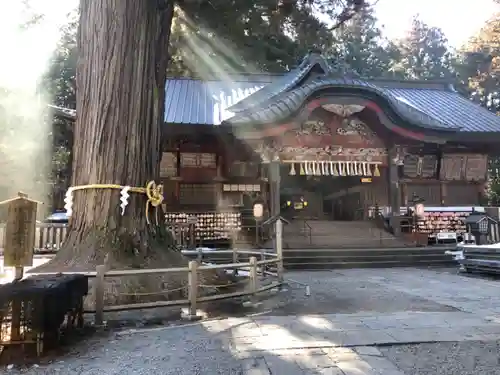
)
(253, 281)
(279, 249)
(99, 295)
(18, 273)
(274, 182)
(257, 233)
(192, 240)
(193, 288)
(274, 185)
(263, 267)
(235, 255)
(443, 191)
(394, 190)
(253, 275)
(404, 194)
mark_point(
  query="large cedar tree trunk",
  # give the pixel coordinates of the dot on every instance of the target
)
(123, 55)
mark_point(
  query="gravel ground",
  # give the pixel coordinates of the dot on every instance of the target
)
(176, 352)
(332, 292)
(459, 358)
(336, 292)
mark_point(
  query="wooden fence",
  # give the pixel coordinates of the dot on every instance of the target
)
(254, 266)
(48, 236)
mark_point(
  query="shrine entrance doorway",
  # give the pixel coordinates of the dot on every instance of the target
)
(327, 190)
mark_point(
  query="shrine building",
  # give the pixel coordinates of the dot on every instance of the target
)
(325, 152)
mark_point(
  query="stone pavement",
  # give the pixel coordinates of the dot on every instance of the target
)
(305, 344)
(339, 344)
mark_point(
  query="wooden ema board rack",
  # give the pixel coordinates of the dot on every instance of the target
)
(435, 222)
(208, 226)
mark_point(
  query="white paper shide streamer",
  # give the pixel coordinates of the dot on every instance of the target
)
(68, 200)
(124, 195)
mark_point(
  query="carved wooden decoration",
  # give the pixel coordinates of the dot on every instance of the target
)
(344, 110)
(325, 138)
(356, 128)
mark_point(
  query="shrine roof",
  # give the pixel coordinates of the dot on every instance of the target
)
(265, 98)
(192, 101)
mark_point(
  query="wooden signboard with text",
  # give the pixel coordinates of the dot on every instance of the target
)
(19, 241)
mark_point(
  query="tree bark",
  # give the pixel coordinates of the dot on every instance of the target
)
(121, 74)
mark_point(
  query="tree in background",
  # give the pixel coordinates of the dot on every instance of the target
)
(360, 49)
(210, 39)
(59, 83)
(424, 53)
(480, 70)
(483, 65)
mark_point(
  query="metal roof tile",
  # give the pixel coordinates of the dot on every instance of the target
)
(190, 101)
(451, 108)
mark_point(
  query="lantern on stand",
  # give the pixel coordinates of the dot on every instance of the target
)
(258, 214)
(418, 214)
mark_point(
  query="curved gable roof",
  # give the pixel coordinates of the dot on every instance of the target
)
(313, 62)
(288, 102)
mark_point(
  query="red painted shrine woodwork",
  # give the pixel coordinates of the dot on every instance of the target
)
(326, 144)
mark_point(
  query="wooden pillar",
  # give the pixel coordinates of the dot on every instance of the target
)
(404, 193)
(274, 183)
(443, 191)
(394, 190)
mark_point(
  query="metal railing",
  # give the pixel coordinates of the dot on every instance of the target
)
(307, 231)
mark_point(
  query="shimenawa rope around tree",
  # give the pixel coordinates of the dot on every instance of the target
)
(153, 192)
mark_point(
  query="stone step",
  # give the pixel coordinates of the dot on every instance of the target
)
(300, 242)
(363, 258)
(370, 264)
(353, 258)
(333, 234)
(366, 252)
